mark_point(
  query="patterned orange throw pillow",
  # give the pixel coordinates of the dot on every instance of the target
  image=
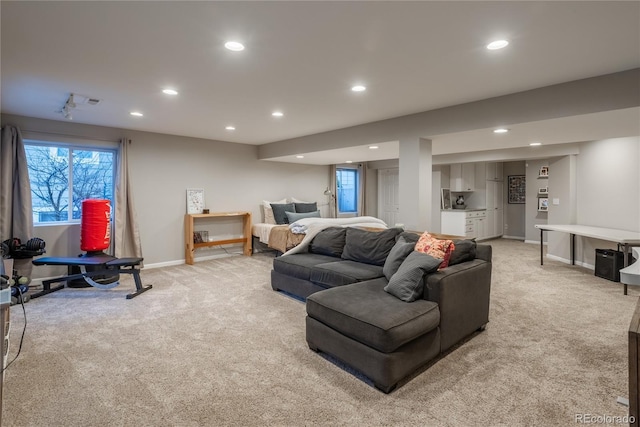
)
(440, 249)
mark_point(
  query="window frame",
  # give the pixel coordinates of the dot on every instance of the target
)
(78, 145)
(358, 191)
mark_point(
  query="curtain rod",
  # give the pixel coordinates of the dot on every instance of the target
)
(72, 136)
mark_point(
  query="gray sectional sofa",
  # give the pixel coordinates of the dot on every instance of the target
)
(354, 314)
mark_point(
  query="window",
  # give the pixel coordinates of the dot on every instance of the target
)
(63, 175)
(347, 183)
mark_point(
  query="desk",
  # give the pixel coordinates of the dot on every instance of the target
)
(190, 246)
(622, 237)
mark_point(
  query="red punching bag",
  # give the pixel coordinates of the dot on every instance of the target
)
(95, 232)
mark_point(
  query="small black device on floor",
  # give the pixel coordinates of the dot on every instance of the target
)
(609, 262)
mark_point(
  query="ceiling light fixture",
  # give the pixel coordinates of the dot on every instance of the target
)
(359, 88)
(234, 46)
(349, 161)
(497, 44)
(501, 130)
(230, 128)
(373, 147)
(299, 156)
(170, 91)
(136, 113)
(277, 114)
(534, 144)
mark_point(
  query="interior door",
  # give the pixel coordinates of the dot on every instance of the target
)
(388, 195)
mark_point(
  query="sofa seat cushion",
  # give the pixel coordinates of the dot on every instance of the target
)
(300, 265)
(366, 313)
(340, 273)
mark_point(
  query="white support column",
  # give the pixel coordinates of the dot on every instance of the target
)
(415, 183)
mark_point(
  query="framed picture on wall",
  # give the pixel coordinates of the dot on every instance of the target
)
(195, 200)
(446, 198)
(543, 204)
(517, 190)
(544, 171)
(543, 190)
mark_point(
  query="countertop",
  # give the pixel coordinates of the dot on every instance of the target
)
(463, 210)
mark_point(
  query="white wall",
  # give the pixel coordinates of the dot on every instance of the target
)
(162, 168)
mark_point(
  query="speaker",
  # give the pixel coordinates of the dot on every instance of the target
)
(609, 263)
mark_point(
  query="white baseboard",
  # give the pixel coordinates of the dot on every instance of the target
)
(535, 242)
(514, 237)
(568, 261)
(196, 259)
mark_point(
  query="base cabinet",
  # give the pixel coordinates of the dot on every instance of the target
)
(470, 224)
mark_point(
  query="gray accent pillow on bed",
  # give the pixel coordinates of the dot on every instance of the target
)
(329, 241)
(407, 283)
(370, 247)
(306, 207)
(397, 255)
(294, 216)
(279, 212)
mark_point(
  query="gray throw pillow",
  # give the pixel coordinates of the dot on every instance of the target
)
(407, 283)
(397, 255)
(294, 216)
(465, 250)
(329, 241)
(280, 210)
(369, 247)
(306, 207)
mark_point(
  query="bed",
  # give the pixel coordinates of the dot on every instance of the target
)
(278, 237)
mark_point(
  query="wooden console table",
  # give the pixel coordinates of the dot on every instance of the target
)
(190, 246)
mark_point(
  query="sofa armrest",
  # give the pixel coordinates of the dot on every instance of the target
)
(484, 252)
(462, 292)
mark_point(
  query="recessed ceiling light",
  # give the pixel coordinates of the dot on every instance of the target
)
(277, 114)
(373, 147)
(358, 88)
(170, 91)
(234, 46)
(349, 161)
(497, 44)
(533, 144)
(230, 128)
(299, 156)
(501, 130)
(136, 113)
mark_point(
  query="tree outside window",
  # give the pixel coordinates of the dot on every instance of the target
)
(55, 169)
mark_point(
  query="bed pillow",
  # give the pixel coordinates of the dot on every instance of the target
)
(397, 255)
(369, 247)
(306, 207)
(329, 241)
(437, 248)
(280, 212)
(294, 216)
(407, 284)
(268, 211)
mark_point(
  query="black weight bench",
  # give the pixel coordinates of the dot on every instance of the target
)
(100, 265)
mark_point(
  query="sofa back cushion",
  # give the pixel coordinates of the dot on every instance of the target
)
(369, 247)
(465, 250)
(329, 241)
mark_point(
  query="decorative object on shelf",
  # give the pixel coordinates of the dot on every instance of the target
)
(517, 189)
(445, 197)
(543, 190)
(543, 204)
(200, 236)
(544, 172)
(195, 200)
(460, 202)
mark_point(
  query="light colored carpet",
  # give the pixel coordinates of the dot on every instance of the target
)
(212, 344)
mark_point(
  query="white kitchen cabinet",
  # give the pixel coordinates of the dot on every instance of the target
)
(470, 224)
(462, 177)
(494, 171)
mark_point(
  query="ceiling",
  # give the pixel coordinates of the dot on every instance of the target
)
(302, 58)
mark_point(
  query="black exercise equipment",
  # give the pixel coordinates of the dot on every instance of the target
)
(91, 267)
